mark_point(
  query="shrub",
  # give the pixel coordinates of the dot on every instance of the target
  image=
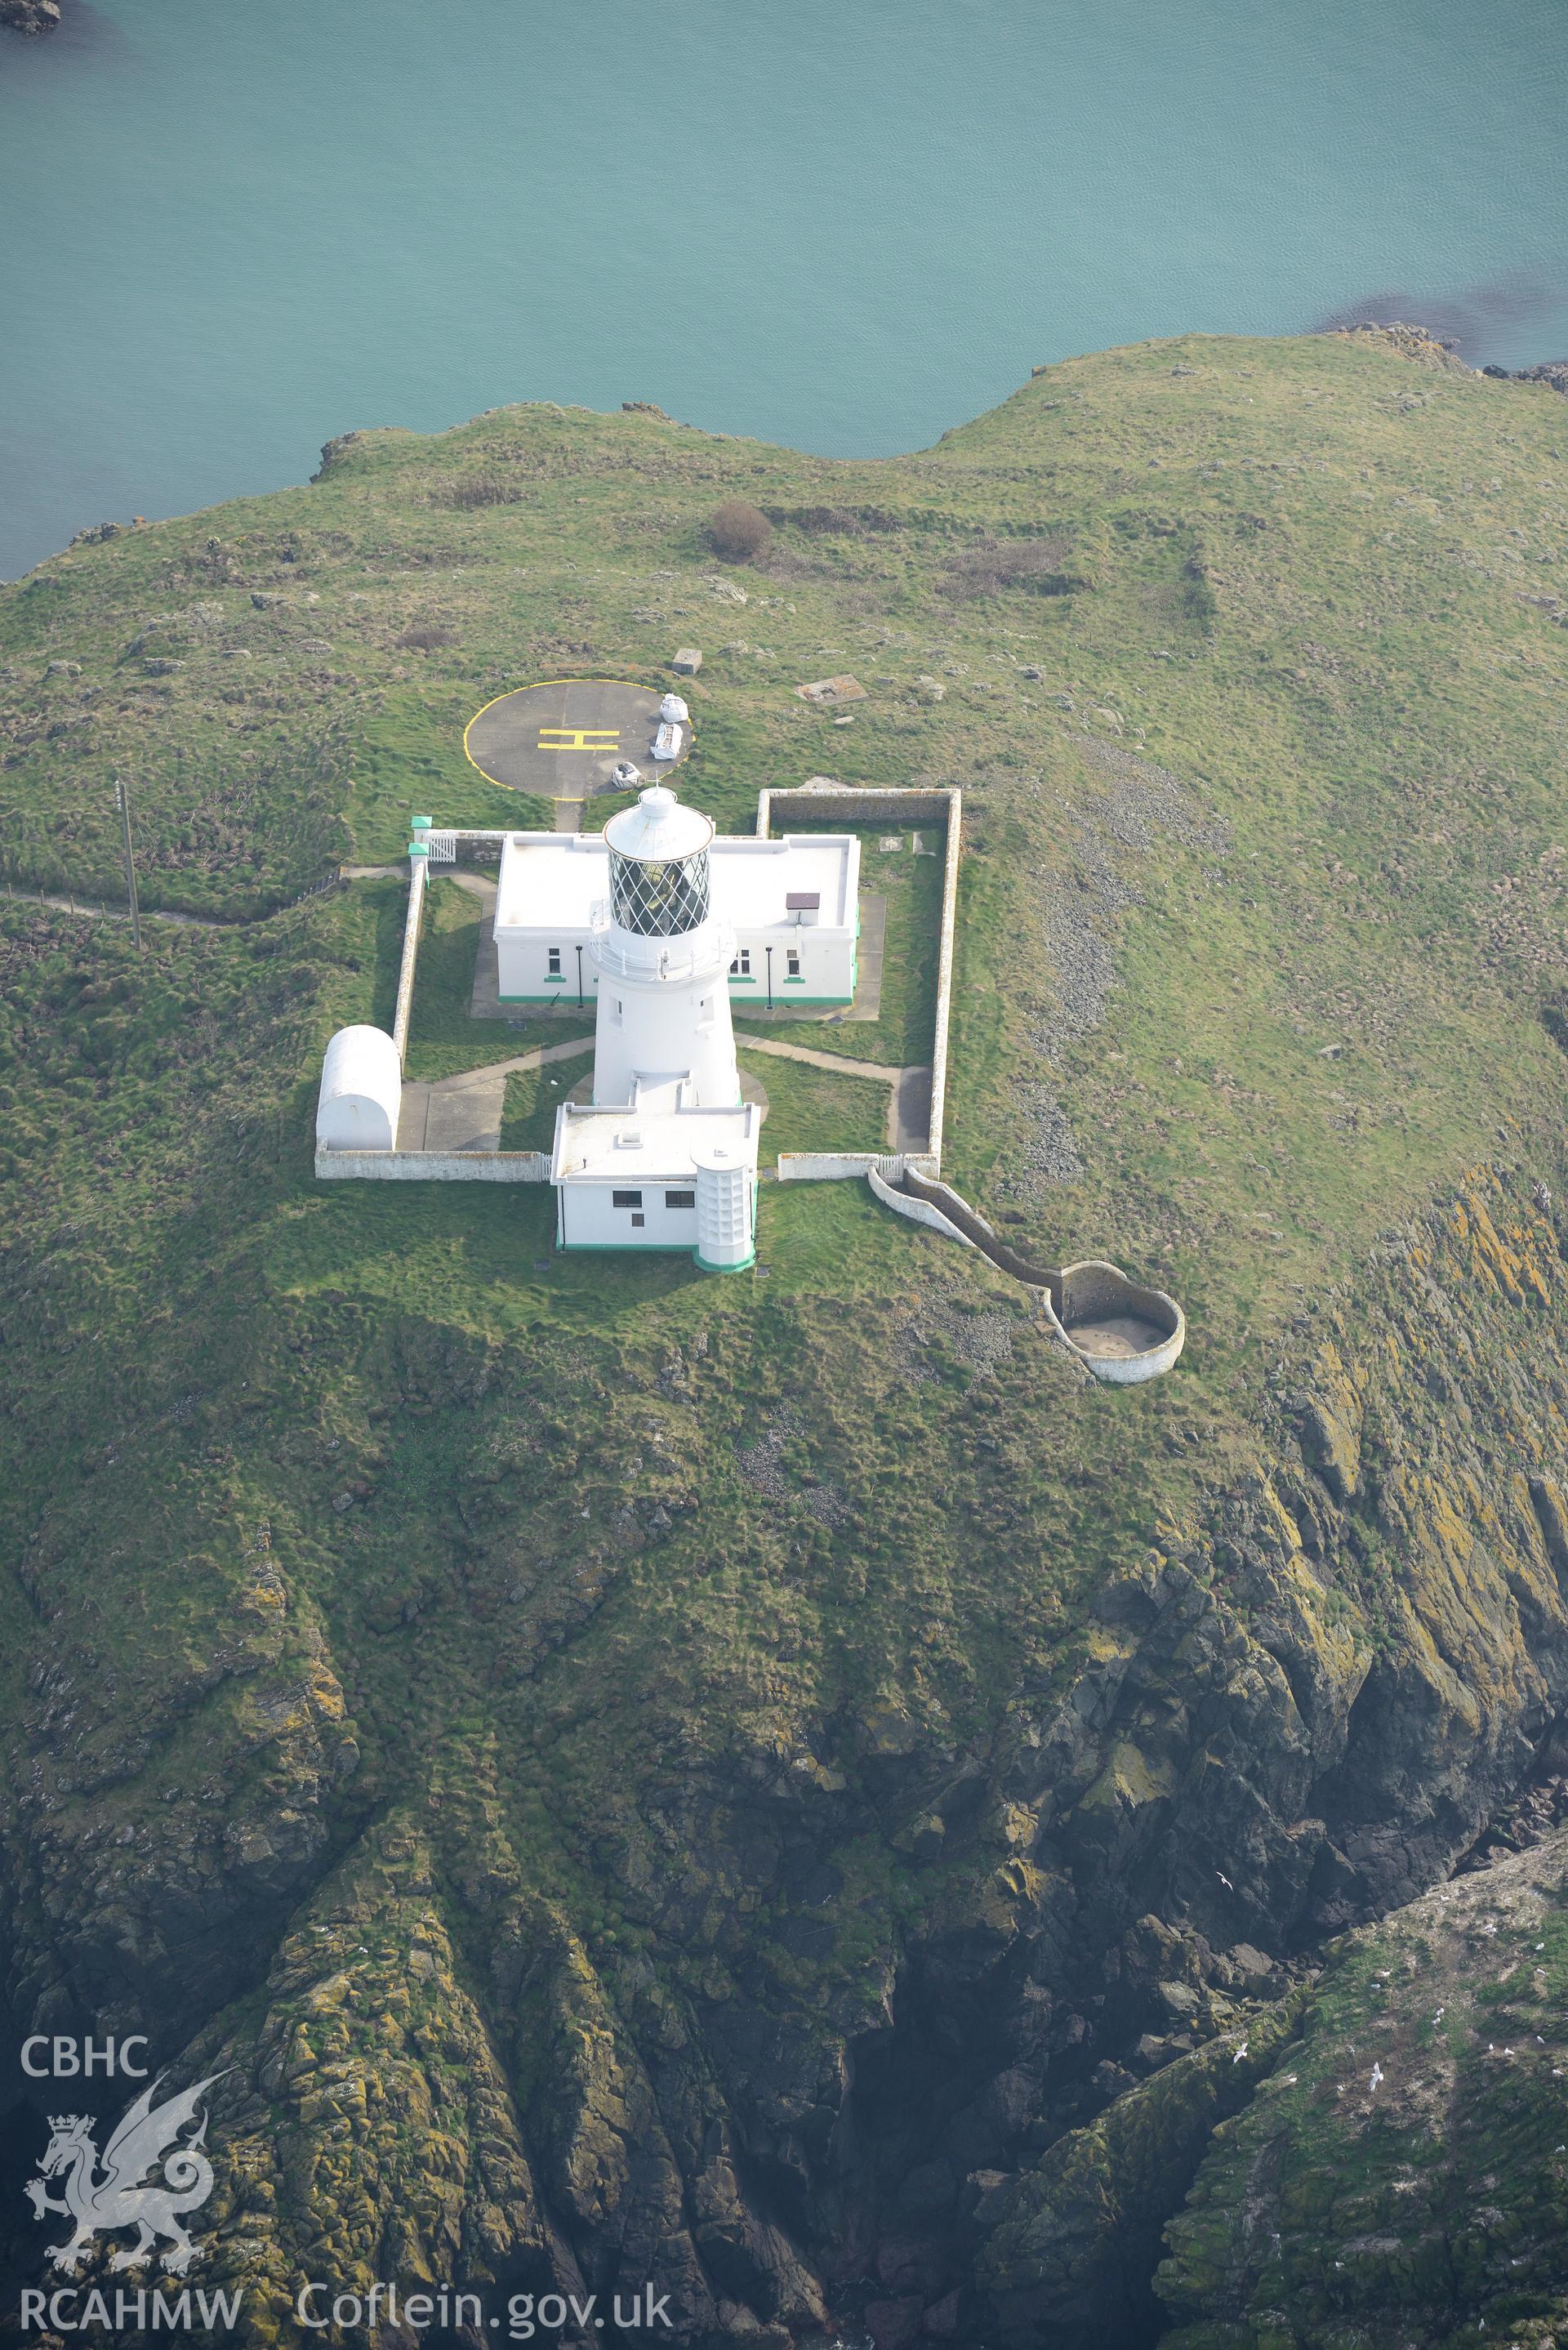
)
(738, 532)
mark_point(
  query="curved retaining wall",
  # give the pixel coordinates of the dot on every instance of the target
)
(1092, 1290)
(973, 1226)
(919, 1211)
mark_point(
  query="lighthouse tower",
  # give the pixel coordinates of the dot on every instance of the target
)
(662, 960)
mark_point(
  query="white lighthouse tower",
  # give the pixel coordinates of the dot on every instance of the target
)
(665, 1154)
(662, 959)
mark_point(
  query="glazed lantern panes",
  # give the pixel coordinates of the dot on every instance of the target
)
(660, 900)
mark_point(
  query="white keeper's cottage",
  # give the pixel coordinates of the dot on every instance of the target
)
(791, 905)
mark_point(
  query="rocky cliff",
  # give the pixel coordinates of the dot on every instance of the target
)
(787, 2088)
(1403, 2173)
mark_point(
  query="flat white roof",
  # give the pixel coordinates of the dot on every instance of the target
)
(646, 1145)
(752, 879)
(552, 881)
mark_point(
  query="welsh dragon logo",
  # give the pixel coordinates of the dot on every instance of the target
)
(113, 2196)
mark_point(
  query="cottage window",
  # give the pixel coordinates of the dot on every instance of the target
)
(792, 961)
(626, 1199)
(741, 966)
(638, 1219)
(680, 1199)
(555, 962)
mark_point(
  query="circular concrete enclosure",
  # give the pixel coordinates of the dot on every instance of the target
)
(1125, 1332)
(564, 740)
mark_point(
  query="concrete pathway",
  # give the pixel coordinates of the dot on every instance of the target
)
(464, 1112)
(909, 1089)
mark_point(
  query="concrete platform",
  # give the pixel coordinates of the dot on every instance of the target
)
(1119, 1337)
(561, 739)
(464, 1112)
(453, 1117)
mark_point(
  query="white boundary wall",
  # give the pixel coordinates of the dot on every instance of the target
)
(824, 1166)
(434, 1166)
(919, 1211)
(405, 1003)
(892, 803)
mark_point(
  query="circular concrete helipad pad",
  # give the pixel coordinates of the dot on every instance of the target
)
(563, 740)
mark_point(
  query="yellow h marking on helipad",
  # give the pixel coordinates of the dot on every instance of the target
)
(579, 738)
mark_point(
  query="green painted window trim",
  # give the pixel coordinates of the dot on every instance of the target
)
(744, 979)
(552, 979)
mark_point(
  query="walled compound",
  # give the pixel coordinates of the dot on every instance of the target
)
(661, 925)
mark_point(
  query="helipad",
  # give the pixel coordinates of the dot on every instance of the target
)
(563, 740)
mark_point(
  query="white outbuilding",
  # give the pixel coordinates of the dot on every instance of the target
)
(361, 1092)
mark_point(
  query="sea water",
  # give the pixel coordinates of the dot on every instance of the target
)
(231, 230)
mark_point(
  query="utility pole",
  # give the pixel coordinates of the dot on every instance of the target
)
(122, 800)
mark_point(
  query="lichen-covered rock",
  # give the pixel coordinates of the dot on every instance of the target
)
(1401, 2175)
(368, 2130)
(1068, 2243)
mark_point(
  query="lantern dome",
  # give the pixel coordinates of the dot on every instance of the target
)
(658, 829)
(658, 865)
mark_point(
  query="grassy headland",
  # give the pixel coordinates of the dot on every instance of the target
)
(758, 1716)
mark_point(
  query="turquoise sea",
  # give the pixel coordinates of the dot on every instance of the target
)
(233, 229)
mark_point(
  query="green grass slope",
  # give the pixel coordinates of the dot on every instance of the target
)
(742, 1718)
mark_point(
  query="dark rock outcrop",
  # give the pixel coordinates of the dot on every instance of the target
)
(1402, 2175)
